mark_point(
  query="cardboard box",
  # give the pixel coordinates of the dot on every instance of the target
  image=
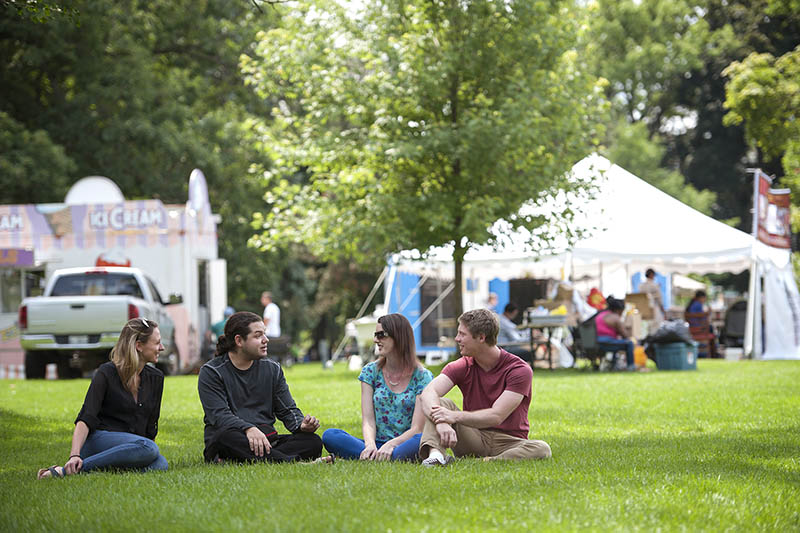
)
(642, 302)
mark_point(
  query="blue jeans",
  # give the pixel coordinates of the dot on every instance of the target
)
(115, 449)
(342, 444)
(611, 344)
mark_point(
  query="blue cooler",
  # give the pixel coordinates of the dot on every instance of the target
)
(676, 356)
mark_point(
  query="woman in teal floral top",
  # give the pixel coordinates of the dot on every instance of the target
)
(391, 421)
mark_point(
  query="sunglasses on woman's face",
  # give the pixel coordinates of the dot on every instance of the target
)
(380, 335)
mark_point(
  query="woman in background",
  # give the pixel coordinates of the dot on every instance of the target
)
(391, 420)
(118, 422)
(612, 333)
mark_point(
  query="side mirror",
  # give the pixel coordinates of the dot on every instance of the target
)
(175, 298)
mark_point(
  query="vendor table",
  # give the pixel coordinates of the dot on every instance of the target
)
(547, 323)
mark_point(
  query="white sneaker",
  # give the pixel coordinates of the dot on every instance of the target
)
(435, 461)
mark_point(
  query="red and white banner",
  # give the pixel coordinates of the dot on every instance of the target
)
(772, 213)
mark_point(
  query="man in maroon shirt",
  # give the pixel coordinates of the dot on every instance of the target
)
(496, 387)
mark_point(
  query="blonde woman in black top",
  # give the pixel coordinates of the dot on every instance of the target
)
(119, 418)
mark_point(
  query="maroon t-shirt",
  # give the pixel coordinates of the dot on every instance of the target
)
(481, 388)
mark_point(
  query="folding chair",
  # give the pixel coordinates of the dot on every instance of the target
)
(700, 330)
(585, 340)
(587, 345)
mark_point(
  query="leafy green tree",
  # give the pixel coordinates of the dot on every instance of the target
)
(664, 63)
(31, 165)
(418, 123)
(712, 154)
(763, 94)
(40, 10)
(144, 93)
(645, 49)
(763, 97)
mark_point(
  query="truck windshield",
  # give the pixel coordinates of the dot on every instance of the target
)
(102, 284)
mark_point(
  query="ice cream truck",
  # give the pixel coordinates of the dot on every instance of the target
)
(175, 246)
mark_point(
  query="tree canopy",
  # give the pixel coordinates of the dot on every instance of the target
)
(664, 62)
(339, 133)
(419, 123)
(764, 95)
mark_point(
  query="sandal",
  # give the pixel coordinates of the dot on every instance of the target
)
(329, 460)
(52, 471)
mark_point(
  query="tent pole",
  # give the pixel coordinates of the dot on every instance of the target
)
(433, 306)
(378, 283)
(600, 283)
(758, 345)
(389, 280)
(628, 283)
(372, 293)
(750, 320)
(571, 267)
(411, 294)
(752, 342)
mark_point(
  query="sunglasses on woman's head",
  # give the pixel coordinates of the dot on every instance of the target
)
(380, 335)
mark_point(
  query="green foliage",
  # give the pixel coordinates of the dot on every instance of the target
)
(144, 93)
(40, 11)
(664, 62)
(645, 48)
(31, 165)
(713, 449)
(433, 120)
(783, 7)
(764, 94)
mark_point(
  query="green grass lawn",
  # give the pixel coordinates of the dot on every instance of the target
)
(716, 449)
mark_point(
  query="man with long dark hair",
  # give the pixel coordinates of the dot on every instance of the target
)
(243, 393)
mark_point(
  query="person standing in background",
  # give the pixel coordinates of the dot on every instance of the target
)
(491, 302)
(272, 315)
(649, 286)
(218, 328)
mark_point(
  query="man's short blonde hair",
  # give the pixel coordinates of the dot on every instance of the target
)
(481, 322)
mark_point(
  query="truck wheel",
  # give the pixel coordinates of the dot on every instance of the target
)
(170, 364)
(35, 365)
(65, 369)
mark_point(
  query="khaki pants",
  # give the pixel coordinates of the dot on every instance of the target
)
(473, 442)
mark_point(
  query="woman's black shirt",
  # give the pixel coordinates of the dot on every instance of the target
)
(110, 406)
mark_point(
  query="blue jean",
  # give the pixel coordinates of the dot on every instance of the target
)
(342, 444)
(115, 449)
(612, 344)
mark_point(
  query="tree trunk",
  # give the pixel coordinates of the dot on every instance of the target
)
(458, 261)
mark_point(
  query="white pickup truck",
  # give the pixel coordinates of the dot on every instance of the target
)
(77, 320)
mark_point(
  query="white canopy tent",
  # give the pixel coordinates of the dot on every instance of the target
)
(631, 226)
